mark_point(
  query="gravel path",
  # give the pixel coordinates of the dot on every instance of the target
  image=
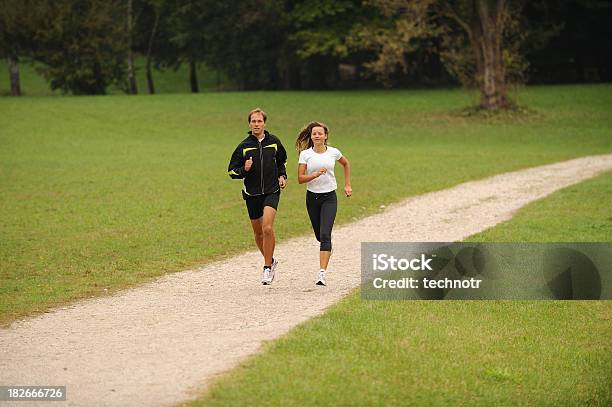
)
(160, 343)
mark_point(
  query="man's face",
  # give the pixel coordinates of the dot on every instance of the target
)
(257, 124)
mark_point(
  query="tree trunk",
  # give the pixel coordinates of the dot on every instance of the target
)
(193, 77)
(492, 83)
(150, 83)
(132, 87)
(13, 68)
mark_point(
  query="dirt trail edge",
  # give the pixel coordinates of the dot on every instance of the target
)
(160, 343)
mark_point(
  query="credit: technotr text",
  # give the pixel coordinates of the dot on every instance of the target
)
(385, 262)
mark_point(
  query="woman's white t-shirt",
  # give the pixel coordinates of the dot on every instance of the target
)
(314, 162)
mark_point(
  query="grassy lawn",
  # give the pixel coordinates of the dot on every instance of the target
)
(98, 193)
(448, 353)
(587, 205)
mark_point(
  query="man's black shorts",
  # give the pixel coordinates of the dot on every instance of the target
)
(255, 204)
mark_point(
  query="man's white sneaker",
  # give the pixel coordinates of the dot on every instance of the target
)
(273, 268)
(321, 279)
(267, 277)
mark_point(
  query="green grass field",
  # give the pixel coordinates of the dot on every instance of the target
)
(448, 353)
(99, 193)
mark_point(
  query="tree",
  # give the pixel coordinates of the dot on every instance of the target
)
(152, 35)
(157, 8)
(479, 41)
(318, 32)
(132, 86)
(81, 44)
(569, 40)
(397, 33)
(14, 40)
(248, 41)
(191, 22)
(488, 54)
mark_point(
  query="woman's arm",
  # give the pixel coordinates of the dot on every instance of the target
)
(347, 175)
(303, 178)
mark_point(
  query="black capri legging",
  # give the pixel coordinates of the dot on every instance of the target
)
(322, 212)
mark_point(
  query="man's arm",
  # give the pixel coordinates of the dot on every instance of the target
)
(235, 168)
(281, 160)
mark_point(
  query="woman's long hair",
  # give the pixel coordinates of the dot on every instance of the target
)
(304, 141)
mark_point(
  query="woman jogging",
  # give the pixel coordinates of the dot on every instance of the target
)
(316, 168)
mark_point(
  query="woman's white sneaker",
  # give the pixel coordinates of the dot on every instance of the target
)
(321, 279)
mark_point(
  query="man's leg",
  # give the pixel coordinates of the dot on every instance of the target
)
(268, 234)
(256, 224)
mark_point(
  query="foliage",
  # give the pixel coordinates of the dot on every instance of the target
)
(191, 23)
(394, 36)
(568, 41)
(462, 33)
(81, 44)
(303, 44)
(320, 27)
(14, 40)
(254, 52)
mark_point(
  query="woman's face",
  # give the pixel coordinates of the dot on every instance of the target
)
(318, 136)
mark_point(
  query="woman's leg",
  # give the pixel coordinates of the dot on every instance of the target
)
(329, 207)
(324, 257)
(314, 213)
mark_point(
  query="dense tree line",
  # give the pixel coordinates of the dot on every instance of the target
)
(84, 46)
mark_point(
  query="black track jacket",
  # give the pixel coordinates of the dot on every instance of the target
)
(269, 159)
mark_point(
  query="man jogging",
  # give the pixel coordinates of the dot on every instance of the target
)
(260, 160)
